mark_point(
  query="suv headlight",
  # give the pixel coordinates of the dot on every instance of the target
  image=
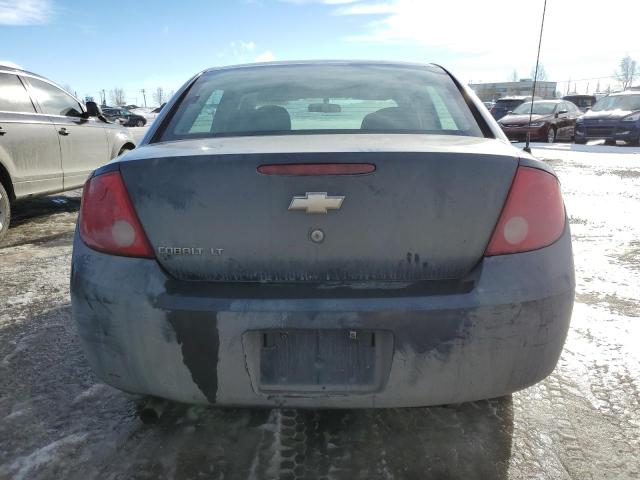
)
(634, 117)
(537, 124)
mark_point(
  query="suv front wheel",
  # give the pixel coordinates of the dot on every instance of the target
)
(5, 212)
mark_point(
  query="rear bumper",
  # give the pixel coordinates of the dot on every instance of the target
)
(145, 333)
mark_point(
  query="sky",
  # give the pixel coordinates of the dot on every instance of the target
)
(144, 44)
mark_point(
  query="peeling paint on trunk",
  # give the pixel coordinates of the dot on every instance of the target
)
(197, 334)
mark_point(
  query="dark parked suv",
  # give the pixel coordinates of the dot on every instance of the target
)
(505, 105)
(49, 141)
(583, 102)
(614, 117)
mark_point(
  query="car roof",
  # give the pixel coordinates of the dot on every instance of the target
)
(326, 62)
(27, 73)
(626, 92)
(10, 69)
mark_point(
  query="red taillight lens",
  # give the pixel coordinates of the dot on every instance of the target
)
(108, 221)
(533, 216)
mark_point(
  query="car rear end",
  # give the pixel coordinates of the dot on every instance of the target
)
(363, 255)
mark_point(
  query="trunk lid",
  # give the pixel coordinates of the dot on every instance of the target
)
(426, 213)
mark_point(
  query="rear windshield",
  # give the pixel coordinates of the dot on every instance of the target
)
(539, 108)
(582, 102)
(508, 104)
(618, 102)
(286, 99)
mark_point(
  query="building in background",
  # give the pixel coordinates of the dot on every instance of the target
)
(490, 92)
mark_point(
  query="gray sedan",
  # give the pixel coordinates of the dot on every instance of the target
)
(323, 234)
(49, 141)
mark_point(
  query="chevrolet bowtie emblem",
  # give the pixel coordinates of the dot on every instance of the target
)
(316, 202)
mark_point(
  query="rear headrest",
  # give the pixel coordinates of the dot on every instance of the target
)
(270, 118)
(392, 118)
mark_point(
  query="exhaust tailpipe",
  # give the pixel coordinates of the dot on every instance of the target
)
(151, 411)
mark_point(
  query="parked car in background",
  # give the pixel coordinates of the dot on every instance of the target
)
(489, 105)
(395, 252)
(583, 102)
(49, 141)
(145, 112)
(124, 116)
(614, 117)
(551, 120)
(158, 109)
(505, 105)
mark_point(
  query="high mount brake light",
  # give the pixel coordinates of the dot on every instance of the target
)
(533, 216)
(108, 221)
(309, 169)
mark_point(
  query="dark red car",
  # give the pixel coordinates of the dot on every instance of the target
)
(551, 120)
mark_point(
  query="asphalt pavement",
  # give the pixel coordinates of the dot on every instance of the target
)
(583, 422)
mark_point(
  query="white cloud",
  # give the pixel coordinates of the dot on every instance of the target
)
(10, 64)
(246, 51)
(243, 46)
(366, 9)
(457, 26)
(25, 12)
(487, 40)
(266, 56)
(325, 2)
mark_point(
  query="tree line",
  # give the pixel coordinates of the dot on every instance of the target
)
(625, 74)
(117, 96)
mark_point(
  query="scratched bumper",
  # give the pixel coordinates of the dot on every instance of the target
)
(145, 333)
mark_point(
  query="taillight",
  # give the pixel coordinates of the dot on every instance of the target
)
(533, 216)
(108, 221)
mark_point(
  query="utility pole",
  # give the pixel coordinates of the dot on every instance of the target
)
(145, 97)
(103, 97)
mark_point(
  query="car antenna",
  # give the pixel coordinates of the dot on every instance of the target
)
(527, 148)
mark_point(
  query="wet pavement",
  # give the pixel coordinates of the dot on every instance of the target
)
(583, 422)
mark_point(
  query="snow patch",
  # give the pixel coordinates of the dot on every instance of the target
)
(53, 451)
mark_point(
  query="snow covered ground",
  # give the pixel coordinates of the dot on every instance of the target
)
(583, 422)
